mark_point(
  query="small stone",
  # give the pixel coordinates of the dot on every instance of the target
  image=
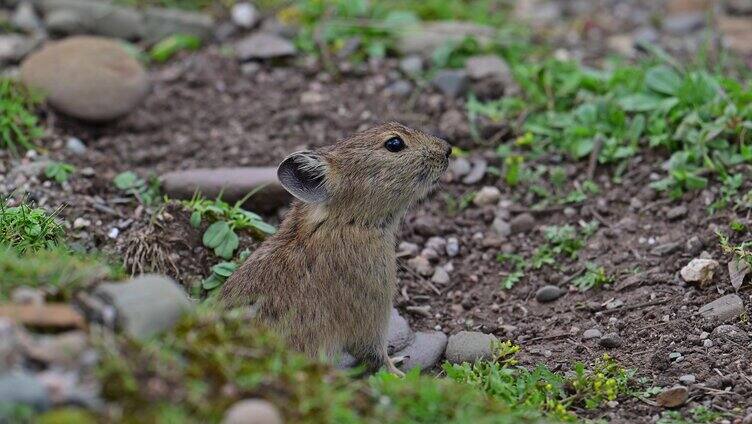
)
(487, 195)
(407, 248)
(484, 66)
(452, 247)
(687, 379)
(14, 47)
(684, 23)
(244, 15)
(25, 18)
(676, 212)
(424, 352)
(430, 254)
(723, 309)
(80, 223)
(26, 296)
(438, 244)
(233, 183)
(146, 305)
(399, 88)
(614, 304)
(694, 246)
(23, 388)
(522, 223)
(501, 227)
(90, 78)
(440, 276)
(252, 411)
(477, 172)
(731, 332)
(64, 349)
(665, 249)
(622, 44)
(675, 356)
(699, 271)
(459, 167)
(469, 346)
(451, 82)
(113, 233)
(707, 343)
(548, 293)
(263, 45)
(399, 334)
(592, 333)
(610, 341)
(738, 269)
(421, 265)
(673, 397)
(411, 65)
(75, 146)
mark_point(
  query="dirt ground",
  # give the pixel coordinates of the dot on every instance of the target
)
(204, 111)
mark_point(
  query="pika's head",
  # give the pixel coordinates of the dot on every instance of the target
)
(375, 173)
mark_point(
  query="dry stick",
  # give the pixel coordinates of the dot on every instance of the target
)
(638, 306)
(551, 337)
(594, 157)
(422, 280)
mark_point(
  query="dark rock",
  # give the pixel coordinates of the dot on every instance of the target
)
(424, 352)
(548, 293)
(469, 346)
(610, 341)
(233, 183)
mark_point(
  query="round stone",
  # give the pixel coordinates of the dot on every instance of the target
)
(90, 78)
(252, 411)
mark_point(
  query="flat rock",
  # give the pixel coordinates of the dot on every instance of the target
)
(425, 38)
(699, 271)
(424, 352)
(94, 17)
(233, 183)
(731, 332)
(262, 45)
(47, 315)
(469, 346)
(451, 82)
(90, 78)
(244, 15)
(146, 305)
(723, 309)
(160, 23)
(62, 349)
(592, 333)
(23, 388)
(672, 397)
(252, 411)
(399, 334)
(549, 293)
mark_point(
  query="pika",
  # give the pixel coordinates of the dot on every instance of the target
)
(326, 280)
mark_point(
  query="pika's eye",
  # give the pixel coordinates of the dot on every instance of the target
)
(395, 144)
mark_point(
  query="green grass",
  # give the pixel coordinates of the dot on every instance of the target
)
(212, 359)
(58, 272)
(19, 126)
(28, 229)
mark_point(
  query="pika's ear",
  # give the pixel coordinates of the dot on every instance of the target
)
(302, 174)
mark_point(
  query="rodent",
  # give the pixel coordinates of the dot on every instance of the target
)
(326, 280)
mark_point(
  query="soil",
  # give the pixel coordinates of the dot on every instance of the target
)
(205, 112)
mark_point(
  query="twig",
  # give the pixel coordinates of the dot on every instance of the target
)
(598, 144)
(551, 337)
(637, 306)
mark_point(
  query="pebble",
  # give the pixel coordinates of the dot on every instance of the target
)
(614, 304)
(146, 305)
(522, 223)
(399, 88)
(687, 379)
(25, 18)
(440, 276)
(64, 349)
(684, 23)
(672, 397)
(113, 233)
(252, 411)
(452, 247)
(424, 352)
(723, 309)
(244, 15)
(421, 265)
(592, 333)
(451, 82)
(665, 249)
(75, 146)
(676, 212)
(469, 346)
(436, 243)
(484, 66)
(264, 46)
(14, 47)
(707, 343)
(430, 254)
(459, 167)
(90, 78)
(548, 293)
(699, 270)
(232, 183)
(410, 249)
(610, 340)
(80, 223)
(399, 334)
(411, 65)
(477, 172)
(501, 227)
(487, 195)
(24, 295)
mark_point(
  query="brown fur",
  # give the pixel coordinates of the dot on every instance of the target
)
(327, 279)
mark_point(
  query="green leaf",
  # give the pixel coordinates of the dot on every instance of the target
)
(228, 245)
(165, 49)
(212, 282)
(216, 234)
(640, 102)
(195, 219)
(126, 180)
(664, 80)
(695, 182)
(264, 227)
(224, 269)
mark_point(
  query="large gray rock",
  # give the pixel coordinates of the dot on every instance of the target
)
(233, 183)
(723, 309)
(262, 45)
(424, 352)
(399, 334)
(22, 388)
(146, 305)
(425, 38)
(160, 23)
(95, 17)
(252, 411)
(90, 78)
(469, 346)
